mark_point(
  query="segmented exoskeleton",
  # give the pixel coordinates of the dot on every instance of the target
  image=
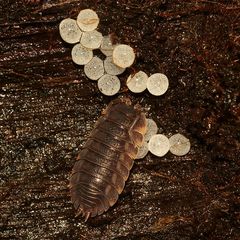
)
(99, 175)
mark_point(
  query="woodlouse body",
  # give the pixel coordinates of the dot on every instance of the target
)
(99, 175)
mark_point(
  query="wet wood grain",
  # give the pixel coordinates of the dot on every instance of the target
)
(48, 107)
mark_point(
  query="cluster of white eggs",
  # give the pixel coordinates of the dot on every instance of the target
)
(160, 145)
(82, 32)
(157, 84)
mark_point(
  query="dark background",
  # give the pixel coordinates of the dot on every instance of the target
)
(48, 107)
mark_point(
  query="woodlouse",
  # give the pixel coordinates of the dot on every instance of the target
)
(99, 175)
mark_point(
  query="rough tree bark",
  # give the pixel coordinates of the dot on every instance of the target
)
(48, 107)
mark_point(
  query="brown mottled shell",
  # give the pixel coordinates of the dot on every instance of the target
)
(99, 175)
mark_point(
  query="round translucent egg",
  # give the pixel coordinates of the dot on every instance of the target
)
(107, 46)
(159, 145)
(152, 129)
(94, 69)
(142, 151)
(138, 82)
(69, 31)
(91, 39)
(123, 55)
(179, 145)
(157, 84)
(87, 20)
(81, 55)
(109, 85)
(111, 68)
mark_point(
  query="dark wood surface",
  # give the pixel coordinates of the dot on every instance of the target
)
(48, 107)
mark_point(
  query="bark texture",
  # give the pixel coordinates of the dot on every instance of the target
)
(48, 107)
